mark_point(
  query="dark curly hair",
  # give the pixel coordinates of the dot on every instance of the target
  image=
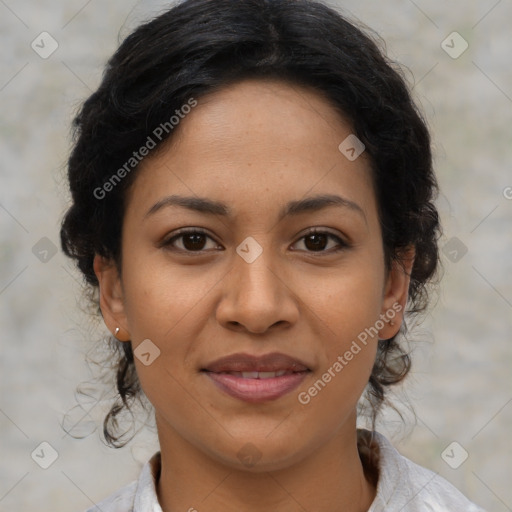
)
(200, 46)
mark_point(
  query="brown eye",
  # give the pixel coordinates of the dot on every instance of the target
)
(317, 241)
(192, 241)
(195, 240)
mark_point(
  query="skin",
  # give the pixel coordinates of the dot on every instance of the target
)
(255, 145)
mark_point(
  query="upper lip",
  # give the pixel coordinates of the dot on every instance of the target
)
(273, 362)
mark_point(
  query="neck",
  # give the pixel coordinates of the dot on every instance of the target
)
(331, 478)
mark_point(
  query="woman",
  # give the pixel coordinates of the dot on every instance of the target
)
(225, 142)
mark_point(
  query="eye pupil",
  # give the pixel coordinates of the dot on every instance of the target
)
(316, 245)
(196, 239)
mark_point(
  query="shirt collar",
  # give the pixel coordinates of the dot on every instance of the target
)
(146, 498)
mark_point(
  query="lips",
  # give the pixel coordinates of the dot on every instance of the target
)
(246, 363)
(256, 379)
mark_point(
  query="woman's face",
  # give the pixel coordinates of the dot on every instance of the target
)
(254, 283)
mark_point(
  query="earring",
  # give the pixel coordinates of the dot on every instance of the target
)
(392, 322)
(116, 331)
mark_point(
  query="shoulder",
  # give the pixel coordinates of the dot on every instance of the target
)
(137, 496)
(120, 501)
(406, 486)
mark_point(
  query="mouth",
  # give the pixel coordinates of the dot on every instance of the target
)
(256, 378)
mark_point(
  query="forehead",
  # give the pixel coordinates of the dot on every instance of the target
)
(257, 143)
(282, 115)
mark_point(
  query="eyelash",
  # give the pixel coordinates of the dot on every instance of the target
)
(167, 243)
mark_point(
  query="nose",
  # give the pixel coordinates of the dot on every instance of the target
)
(257, 296)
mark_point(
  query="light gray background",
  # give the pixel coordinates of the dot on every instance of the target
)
(461, 384)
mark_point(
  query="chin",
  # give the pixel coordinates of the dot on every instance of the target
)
(258, 454)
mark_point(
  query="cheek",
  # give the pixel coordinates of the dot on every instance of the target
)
(160, 299)
(350, 300)
(170, 306)
(349, 309)
(350, 342)
(349, 306)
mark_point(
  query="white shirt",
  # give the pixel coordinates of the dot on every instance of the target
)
(403, 486)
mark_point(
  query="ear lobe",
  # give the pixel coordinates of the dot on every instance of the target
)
(396, 292)
(111, 296)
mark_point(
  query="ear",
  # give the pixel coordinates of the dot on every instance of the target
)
(111, 297)
(396, 292)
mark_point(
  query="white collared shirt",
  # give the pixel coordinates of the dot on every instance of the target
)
(403, 486)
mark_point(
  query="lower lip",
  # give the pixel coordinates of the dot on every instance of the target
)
(256, 390)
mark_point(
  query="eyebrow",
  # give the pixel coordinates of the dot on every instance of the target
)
(208, 206)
